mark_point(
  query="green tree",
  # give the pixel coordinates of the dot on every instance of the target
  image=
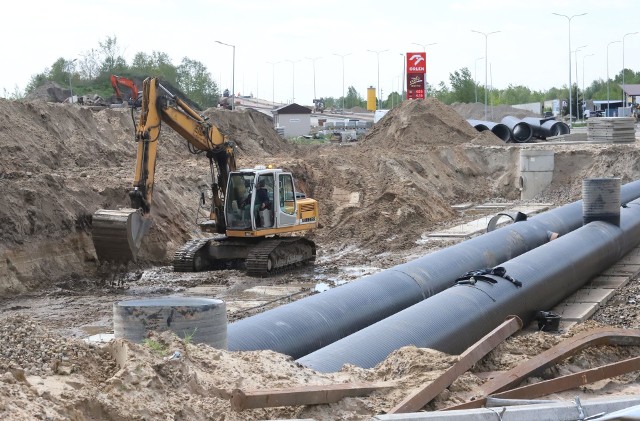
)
(353, 98)
(112, 60)
(463, 87)
(196, 82)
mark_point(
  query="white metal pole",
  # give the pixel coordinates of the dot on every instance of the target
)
(624, 96)
(608, 100)
(486, 65)
(584, 93)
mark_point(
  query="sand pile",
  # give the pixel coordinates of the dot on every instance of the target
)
(420, 123)
(495, 113)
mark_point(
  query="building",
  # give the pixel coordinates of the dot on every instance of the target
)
(292, 120)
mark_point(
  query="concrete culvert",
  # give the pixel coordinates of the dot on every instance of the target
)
(498, 129)
(521, 131)
(201, 320)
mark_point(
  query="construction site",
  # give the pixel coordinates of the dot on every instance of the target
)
(405, 306)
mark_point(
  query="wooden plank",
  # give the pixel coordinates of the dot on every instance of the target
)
(300, 395)
(472, 355)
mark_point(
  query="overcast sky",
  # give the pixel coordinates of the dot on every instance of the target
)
(531, 48)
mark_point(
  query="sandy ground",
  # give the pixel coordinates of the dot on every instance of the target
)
(377, 197)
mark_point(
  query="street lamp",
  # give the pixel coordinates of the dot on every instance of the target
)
(475, 76)
(342, 56)
(612, 42)
(569, 21)
(313, 60)
(584, 93)
(273, 82)
(577, 93)
(486, 60)
(293, 79)
(424, 48)
(233, 75)
(377, 52)
(69, 65)
(404, 73)
(624, 96)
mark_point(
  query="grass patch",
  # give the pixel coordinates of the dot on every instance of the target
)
(155, 346)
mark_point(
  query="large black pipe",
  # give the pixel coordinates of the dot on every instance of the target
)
(546, 127)
(454, 319)
(497, 129)
(521, 132)
(303, 326)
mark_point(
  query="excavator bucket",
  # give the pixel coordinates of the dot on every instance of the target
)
(117, 234)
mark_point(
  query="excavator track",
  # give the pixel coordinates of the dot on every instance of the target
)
(189, 257)
(276, 255)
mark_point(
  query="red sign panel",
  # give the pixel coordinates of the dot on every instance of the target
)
(416, 62)
(415, 94)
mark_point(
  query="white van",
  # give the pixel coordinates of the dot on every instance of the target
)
(378, 114)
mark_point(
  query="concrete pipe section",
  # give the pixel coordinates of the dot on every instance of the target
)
(202, 320)
(521, 132)
(303, 326)
(454, 319)
(546, 127)
(536, 172)
(497, 129)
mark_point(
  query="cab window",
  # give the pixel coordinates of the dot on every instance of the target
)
(287, 195)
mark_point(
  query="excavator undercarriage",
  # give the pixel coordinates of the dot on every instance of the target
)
(261, 257)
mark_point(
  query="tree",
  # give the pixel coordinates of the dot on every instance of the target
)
(353, 98)
(463, 87)
(89, 64)
(196, 82)
(112, 60)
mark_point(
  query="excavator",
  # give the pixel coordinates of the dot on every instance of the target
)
(121, 80)
(256, 214)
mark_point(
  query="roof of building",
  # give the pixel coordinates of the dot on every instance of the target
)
(632, 90)
(292, 109)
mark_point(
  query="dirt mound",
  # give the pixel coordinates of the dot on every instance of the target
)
(50, 92)
(419, 123)
(251, 130)
(475, 111)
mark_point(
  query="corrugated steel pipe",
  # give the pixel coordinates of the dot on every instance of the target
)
(521, 132)
(497, 129)
(546, 127)
(301, 327)
(454, 319)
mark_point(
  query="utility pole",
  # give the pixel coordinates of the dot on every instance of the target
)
(377, 52)
(313, 61)
(342, 56)
(569, 21)
(486, 67)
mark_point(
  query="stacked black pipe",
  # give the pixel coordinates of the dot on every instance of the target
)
(301, 327)
(454, 319)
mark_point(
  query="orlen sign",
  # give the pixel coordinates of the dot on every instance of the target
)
(416, 62)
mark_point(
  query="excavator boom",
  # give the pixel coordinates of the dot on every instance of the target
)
(117, 234)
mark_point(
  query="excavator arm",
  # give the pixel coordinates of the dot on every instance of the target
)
(113, 229)
(120, 80)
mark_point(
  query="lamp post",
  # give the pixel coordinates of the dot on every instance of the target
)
(69, 65)
(404, 73)
(475, 76)
(424, 49)
(577, 85)
(612, 42)
(377, 53)
(584, 93)
(569, 21)
(313, 61)
(624, 96)
(293, 79)
(342, 56)
(233, 75)
(486, 60)
(273, 82)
